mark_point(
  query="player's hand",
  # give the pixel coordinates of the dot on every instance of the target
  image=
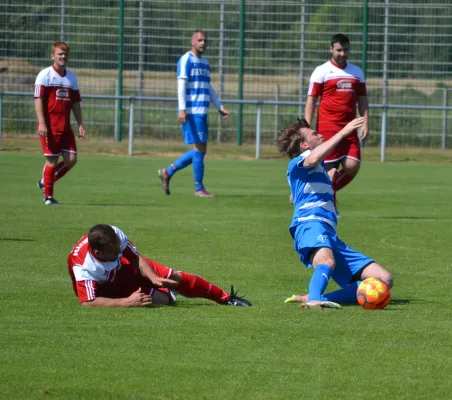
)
(224, 112)
(353, 125)
(182, 117)
(364, 131)
(42, 129)
(332, 173)
(163, 282)
(291, 199)
(81, 131)
(139, 299)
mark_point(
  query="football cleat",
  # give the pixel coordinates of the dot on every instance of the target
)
(295, 298)
(237, 301)
(203, 193)
(40, 185)
(321, 304)
(165, 178)
(50, 201)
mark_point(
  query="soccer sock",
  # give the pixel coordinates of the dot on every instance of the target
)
(60, 170)
(198, 169)
(319, 281)
(343, 296)
(195, 286)
(342, 180)
(49, 179)
(183, 161)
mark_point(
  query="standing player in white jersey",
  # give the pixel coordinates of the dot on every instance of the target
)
(195, 93)
(314, 222)
(56, 95)
(340, 86)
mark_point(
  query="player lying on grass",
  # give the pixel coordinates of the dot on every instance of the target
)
(314, 222)
(107, 271)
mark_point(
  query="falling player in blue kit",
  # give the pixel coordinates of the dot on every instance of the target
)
(314, 222)
(194, 96)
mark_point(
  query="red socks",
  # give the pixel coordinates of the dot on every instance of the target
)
(49, 179)
(341, 181)
(60, 170)
(195, 286)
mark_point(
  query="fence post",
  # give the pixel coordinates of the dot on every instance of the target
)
(278, 91)
(131, 121)
(258, 130)
(444, 134)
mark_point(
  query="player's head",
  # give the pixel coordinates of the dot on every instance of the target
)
(297, 138)
(199, 42)
(104, 242)
(60, 54)
(339, 49)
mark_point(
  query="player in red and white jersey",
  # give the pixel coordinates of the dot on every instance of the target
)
(56, 95)
(107, 271)
(340, 86)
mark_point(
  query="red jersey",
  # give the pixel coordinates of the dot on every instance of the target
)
(87, 272)
(339, 89)
(58, 93)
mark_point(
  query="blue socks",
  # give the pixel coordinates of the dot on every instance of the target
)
(319, 282)
(198, 169)
(184, 161)
(191, 156)
(343, 296)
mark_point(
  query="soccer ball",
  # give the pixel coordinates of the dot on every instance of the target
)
(373, 294)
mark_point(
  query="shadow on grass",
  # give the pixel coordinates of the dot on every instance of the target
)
(16, 240)
(114, 205)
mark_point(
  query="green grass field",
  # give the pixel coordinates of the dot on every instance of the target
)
(400, 213)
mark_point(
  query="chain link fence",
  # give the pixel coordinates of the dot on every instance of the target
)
(258, 49)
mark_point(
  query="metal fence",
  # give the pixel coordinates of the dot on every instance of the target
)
(259, 50)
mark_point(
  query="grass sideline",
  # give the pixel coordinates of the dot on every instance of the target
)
(399, 213)
(159, 148)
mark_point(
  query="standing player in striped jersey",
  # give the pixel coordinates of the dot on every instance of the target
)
(107, 271)
(194, 96)
(340, 85)
(313, 226)
(56, 95)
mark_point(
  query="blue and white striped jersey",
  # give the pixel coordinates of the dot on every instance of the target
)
(312, 193)
(197, 72)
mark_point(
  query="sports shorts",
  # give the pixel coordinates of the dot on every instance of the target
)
(195, 130)
(312, 235)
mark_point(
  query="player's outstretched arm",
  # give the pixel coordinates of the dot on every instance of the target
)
(320, 152)
(136, 299)
(309, 109)
(147, 271)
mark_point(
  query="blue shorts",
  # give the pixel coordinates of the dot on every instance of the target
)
(315, 234)
(195, 130)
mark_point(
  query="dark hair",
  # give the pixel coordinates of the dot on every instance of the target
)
(290, 138)
(100, 236)
(340, 38)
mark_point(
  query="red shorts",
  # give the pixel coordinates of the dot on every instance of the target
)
(349, 147)
(128, 280)
(57, 143)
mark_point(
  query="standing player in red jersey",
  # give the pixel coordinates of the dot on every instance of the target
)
(56, 95)
(107, 271)
(340, 85)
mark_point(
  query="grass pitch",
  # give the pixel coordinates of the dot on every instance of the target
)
(50, 347)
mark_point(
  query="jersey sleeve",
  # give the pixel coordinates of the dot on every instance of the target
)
(41, 85)
(85, 286)
(183, 67)
(361, 89)
(316, 83)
